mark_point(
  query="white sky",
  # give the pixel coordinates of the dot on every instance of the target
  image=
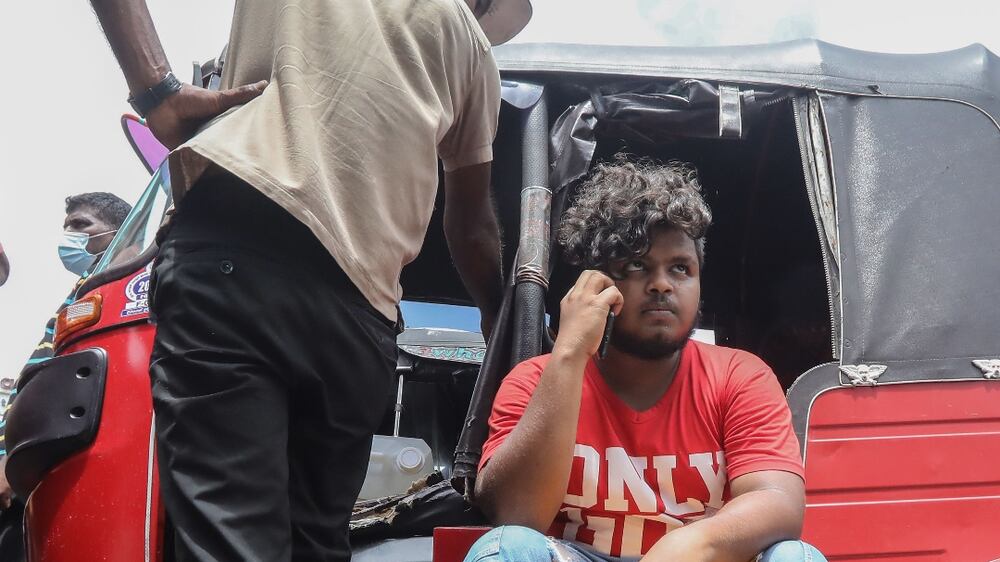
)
(63, 95)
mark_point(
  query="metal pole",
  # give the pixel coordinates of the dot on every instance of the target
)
(531, 275)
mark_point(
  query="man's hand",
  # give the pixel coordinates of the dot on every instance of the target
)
(583, 314)
(137, 47)
(177, 119)
(6, 494)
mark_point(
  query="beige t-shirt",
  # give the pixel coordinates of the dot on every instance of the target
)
(364, 95)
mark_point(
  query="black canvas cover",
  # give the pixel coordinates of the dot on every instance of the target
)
(914, 149)
(918, 194)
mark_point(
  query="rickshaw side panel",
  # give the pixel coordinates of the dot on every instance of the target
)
(901, 472)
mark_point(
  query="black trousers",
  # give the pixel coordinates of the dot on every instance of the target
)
(270, 372)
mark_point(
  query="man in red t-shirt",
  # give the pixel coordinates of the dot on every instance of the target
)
(666, 448)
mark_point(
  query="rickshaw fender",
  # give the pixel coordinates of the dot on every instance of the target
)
(56, 414)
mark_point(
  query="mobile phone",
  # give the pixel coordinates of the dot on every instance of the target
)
(602, 351)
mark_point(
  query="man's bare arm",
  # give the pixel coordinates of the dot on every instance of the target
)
(136, 45)
(470, 227)
(134, 41)
(525, 481)
(767, 507)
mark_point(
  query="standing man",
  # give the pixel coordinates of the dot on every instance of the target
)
(666, 448)
(276, 286)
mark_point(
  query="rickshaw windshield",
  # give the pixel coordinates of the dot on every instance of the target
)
(139, 229)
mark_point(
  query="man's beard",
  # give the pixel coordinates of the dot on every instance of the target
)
(654, 348)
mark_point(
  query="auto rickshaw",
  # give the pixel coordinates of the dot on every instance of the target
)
(854, 197)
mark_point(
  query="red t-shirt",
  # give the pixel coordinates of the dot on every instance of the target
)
(636, 475)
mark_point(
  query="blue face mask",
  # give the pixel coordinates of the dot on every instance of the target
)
(73, 251)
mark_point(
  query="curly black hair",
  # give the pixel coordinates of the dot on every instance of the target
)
(107, 206)
(621, 202)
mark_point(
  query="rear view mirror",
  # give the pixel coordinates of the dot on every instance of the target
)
(4, 266)
(149, 150)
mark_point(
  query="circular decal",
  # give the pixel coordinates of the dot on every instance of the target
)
(138, 287)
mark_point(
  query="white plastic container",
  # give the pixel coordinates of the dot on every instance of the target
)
(395, 464)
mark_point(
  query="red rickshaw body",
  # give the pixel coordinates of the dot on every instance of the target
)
(107, 494)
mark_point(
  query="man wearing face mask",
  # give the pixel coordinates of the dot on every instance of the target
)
(92, 219)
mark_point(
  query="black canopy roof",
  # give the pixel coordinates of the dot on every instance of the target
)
(969, 75)
(913, 149)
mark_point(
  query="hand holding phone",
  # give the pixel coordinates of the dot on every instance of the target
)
(583, 323)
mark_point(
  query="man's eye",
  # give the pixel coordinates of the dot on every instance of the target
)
(633, 266)
(681, 268)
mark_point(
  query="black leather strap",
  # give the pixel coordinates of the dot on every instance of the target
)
(146, 101)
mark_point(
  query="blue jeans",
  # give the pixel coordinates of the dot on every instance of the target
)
(521, 544)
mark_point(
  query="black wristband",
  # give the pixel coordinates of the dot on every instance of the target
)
(147, 101)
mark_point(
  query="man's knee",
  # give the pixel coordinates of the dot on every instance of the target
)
(792, 551)
(510, 543)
